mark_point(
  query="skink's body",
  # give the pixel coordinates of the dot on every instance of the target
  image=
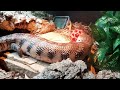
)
(45, 50)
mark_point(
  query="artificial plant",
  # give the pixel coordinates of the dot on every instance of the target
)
(106, 31)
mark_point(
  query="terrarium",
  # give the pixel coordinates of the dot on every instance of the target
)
(59, 44)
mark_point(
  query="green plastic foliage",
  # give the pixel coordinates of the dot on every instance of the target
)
(98, 33)
(116, 43)
(101, 53)
(106, 32)
(116, 29)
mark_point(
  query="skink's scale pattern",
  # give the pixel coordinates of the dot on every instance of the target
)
(43, 49)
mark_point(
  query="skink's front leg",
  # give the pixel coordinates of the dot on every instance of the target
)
(17, 48)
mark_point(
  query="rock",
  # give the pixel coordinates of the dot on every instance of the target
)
(107, 74)
(88, 75)
(65, 69)
(10, 75)
(6, 75)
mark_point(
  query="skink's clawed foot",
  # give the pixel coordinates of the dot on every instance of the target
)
(20, 52)
(24, 56)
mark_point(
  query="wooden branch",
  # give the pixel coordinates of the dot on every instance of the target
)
(10, 20)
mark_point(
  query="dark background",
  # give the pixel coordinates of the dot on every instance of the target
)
(79, 16)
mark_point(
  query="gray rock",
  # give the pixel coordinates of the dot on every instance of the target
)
(65, 69)
(88, 75)
(10, 75)
(107, 74)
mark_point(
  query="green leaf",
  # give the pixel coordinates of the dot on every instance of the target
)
(112, 61)
(107, 43)
(109, 13)
(103, 44)
(98, 33)
(108, 54)
(117, 14)
(112, 21)
(114, 56)
(109, 40)
(116, 43)
(102, 34)
(116, 29)
(95, 32)
(113, 35)
(101, 22)
(106, 21)
(101, 53)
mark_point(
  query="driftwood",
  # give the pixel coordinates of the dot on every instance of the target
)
(11, 20)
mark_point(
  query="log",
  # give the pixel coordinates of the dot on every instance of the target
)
(11, 20)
